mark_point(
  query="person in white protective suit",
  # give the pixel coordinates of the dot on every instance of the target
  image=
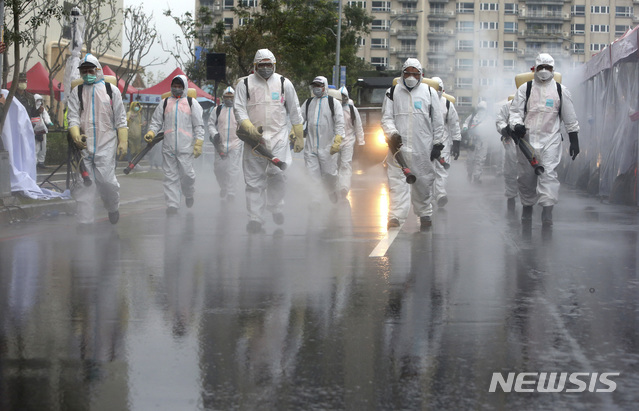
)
(538, 119)
(353, 130)
(228, 147)
(452, 141)
(510, 155)
(181, 119)
(475, 125)
(41, 139)
(264, 102)
(97, 124)
(324, 119)
(412, 118)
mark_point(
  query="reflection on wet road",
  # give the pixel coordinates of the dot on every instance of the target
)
(192, 313)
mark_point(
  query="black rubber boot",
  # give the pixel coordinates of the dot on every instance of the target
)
(114, 217)
(511, 204)
(526, 214)
(393, 223)
(546, 216)
(425, 223)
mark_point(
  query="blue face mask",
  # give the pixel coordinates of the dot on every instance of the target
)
(177, 91)
(89, 78)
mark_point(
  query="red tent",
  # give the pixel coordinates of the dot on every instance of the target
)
(106, 70)
(38, 81)
(152, 94)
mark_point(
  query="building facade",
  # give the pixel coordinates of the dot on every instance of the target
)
(477, 47)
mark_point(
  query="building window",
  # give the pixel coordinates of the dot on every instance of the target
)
(463, 82)
(486, 81)
(578, 10)
(464, 64)
(228, 23)
(378, 43)
(599, 28)
(578, 48)
(488, 25)
(597, 47)
(379, 25)
(510, 8)
(487, 63)
(489, 6)
(488, 44)
(465, 26)
(624, 11)
(411, 45)
(242, 21)
(464, 45)
(510, 27)
(621, 30)
(464, 101)
(361, 42)
(437, 46)
(599, 9)
(578, 28)
(381, 6)
(509, 65)
(228, 4)
(378, 61)
(248, 3)
(360, 4)
(463, 8)
(510, 46)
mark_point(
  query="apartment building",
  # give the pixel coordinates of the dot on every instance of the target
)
(479, 46)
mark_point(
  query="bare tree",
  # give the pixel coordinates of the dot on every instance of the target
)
(102, 33)
(184, 50)
(141, 35)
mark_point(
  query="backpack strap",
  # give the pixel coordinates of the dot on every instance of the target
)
(447, 111)
(248, 95)
(560, 101)
(218, 110)
(352, 113)
(390, 93)
(108, 90)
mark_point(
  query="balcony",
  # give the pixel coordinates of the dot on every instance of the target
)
(543, 35)
(408, 15)
(440, 33)
(543, 16)
(439, 53)
(407, 52)
(407, 34)
(547, 2)
(441, 15)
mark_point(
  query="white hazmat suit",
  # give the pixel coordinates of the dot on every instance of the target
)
(322, 125)
(45, 119)
(267, 103)
(451, 133)
(353, 131)
(542, 120)
(478, 127)
(510, 152)
(416, 115)
(183, 125)
(101, 118)
(227, 163)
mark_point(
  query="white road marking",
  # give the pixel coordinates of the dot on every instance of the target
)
(385, 243)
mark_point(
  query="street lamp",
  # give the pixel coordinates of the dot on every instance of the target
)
(336, 70)
(389, 31)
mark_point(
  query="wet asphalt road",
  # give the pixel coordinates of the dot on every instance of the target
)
(192, 313)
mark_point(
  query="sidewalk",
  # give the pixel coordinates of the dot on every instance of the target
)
(140, 185)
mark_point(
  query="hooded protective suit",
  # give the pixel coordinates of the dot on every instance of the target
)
(263, 103)
(353, 130)
(416, 115)
(322, 126)
(41, 140)
(510, 152)
(182, 125)
(542, 121)
(99, 121)
(478, 127)
(226, 167)
(134, 120)
(451, 133)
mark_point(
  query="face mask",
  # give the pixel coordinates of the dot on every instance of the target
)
(318, 91)
(345, 101)
(89, 78)
(228, 102)
(38, 104)
(410, 82)
(440, 94)
(177, 91)
(136, 108)
(22, 86)
(544, 75)
(265, 72)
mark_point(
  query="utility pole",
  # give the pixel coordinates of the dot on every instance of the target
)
(5, 165)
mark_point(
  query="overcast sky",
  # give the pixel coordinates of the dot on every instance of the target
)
(165, 26)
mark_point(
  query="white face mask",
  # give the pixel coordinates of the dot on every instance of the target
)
(544, 75)
(440, 94)
(411, 82)
(318, 91)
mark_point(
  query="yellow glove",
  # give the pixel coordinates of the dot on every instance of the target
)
(197, 148)
(336, 144)
(148, 137)
(298, 140)
(253, 133)
(123, 141)
(76, 137)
